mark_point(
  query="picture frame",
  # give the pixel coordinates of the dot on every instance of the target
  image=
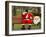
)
(9, 5)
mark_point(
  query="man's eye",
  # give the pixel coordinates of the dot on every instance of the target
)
(36, 18)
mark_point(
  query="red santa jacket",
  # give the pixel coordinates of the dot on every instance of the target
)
(27, 16)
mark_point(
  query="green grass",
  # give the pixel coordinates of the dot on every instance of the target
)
(19, 26)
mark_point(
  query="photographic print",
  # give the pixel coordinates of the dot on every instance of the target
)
(24, 18)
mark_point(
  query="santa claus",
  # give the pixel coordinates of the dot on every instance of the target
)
(27, 18)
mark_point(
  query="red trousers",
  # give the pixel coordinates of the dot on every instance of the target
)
(24, 21)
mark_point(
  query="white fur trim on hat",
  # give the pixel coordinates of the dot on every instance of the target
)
(24, 13)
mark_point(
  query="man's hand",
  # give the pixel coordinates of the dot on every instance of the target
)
(30, 17)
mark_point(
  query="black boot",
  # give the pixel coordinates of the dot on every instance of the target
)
(29, 27)
(23, 27)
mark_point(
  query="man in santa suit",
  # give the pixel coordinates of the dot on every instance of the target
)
(27, 18)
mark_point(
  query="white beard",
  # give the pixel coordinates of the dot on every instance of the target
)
(36, 20)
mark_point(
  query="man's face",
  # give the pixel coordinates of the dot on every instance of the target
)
(36, 19)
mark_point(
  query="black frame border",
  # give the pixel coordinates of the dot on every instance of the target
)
(7, 17)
